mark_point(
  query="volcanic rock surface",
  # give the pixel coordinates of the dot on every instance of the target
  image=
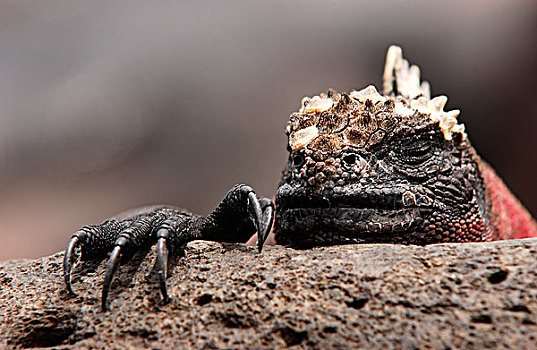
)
(474, 295)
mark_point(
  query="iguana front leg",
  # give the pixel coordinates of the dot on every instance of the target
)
(240, 214)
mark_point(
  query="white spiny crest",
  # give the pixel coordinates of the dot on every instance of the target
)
(402, 85)
(447, 121)
(316, 104)
(439, 102)
(303, 137)
(406, 78)
(369, 93)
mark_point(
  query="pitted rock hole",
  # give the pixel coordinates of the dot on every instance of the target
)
(357, 303)
(291, 336)
(204, 299)
(483, 318)
(498, 276)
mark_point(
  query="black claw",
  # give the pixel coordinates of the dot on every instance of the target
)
(162, 263)
(111, 268)
(260, 219)
(255, 212)
(68, 262)
(261, 211)
(268, 218)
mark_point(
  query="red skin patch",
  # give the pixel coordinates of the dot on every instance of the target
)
(510, 220)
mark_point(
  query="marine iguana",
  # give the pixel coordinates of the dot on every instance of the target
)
(363, 167)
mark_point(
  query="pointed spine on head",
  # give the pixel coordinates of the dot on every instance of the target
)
(369, 93)
(400, 78)
(447, 121)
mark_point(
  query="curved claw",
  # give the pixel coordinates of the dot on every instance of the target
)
(268, 219)
(111, 268)
(254, 210)
(68, 262)
(262, 219)
(162, 263)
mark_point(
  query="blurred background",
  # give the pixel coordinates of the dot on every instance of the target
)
(109, 106)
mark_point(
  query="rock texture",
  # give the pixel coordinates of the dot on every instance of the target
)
(481, 295)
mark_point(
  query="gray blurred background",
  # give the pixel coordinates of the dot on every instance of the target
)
(109, 106)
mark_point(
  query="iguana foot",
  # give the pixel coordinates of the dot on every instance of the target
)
(240, 214)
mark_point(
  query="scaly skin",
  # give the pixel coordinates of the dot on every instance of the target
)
(410, 185)
(363, 167)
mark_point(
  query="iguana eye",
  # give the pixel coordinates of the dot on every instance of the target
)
(417, 153)
(415, 150)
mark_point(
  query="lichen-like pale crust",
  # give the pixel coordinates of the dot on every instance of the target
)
(303, 137)
(335, 120)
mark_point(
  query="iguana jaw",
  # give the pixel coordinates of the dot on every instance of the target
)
(359, 224)
(353, 215)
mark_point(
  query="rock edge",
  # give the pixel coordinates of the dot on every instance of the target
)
(473, 295)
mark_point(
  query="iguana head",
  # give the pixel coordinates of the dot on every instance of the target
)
(365, 166)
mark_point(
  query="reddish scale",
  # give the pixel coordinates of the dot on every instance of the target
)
(509, 219)
(470, 228)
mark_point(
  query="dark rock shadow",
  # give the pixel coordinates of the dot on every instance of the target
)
(84, 268)
(128, 269)
(153, 280)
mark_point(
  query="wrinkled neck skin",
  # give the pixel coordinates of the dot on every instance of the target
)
(412, 186)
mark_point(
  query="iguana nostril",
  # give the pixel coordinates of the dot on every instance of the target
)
(349, 159)
(298, 160)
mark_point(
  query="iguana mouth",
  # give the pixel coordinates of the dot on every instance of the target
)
(357, 222)
(381, 198)
(304, 227)
(353, 215)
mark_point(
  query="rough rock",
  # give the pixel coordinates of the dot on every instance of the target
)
(476, 295)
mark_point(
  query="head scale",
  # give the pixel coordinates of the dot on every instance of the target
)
(365, 163)
(360, 119)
